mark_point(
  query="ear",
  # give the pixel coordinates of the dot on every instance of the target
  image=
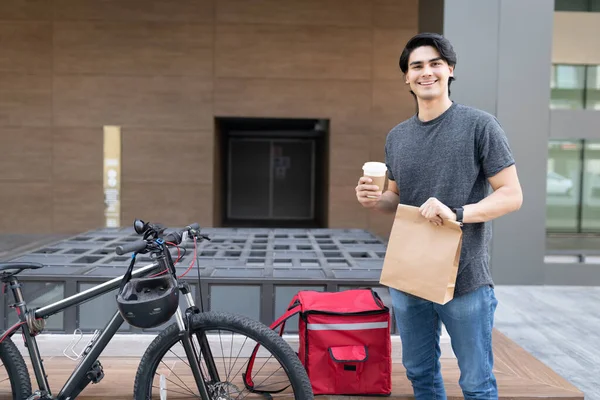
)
(451, 70)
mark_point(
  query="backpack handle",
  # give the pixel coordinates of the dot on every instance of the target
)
(294, 308)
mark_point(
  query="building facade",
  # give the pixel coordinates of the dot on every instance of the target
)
(239, 113)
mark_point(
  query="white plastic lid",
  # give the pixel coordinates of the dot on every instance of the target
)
(374, 168)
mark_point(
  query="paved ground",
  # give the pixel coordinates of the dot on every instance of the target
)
(558, 325)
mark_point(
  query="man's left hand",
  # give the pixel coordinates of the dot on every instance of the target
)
(436, 211)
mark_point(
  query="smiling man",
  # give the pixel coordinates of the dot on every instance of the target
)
(443, 160)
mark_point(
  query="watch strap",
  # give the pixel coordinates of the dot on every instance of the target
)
(459, 211)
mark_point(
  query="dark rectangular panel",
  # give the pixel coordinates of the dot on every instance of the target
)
(293, 179)
(249, 177)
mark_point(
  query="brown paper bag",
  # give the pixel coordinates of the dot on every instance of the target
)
(422, 258)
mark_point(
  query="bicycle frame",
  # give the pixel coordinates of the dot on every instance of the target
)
(80, 371)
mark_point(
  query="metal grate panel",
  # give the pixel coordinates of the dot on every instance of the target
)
(272, 260)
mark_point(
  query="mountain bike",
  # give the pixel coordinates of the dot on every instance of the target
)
(187, 359)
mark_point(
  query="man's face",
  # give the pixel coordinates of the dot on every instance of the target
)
(428, 73)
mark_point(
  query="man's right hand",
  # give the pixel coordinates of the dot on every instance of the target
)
(364, 189)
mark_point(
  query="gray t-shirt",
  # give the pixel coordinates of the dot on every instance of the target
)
(450, 158)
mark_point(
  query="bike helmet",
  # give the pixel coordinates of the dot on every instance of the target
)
(148, 302)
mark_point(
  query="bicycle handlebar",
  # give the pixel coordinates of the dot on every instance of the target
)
(136, 246)
(173, 237)
(177, 236)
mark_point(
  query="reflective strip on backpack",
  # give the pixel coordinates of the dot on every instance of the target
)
(346, 327)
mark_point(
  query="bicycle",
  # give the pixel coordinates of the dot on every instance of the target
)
(194, 330)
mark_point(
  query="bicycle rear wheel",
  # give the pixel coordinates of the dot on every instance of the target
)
(232, 338)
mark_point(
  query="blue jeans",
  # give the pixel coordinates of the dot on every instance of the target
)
(469, 320)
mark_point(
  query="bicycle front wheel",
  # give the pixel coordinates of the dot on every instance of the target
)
(17, 381)
(164, 368)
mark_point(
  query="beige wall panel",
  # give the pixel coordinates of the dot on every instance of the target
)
(169, 204)
(377, 146)
(26, 47)
(387, 47)
(25, 100)
(69, 67)
(392, 104)
(272, 51)
(77, 155)
(26, 10)
(344, 209)
(575, 38)
(135, 10)
(28, 207)
(348, 152)
(26, 154)
(167, 156)
(396, 14)
(170, 102)
(381, 224)
(301, 12)
(78, 207)
(347, 102)
(133, 48)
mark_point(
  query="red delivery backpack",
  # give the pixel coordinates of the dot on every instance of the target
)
(345, 342)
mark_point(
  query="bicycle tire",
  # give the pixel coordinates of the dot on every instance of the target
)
(267, 338)
(20, 381)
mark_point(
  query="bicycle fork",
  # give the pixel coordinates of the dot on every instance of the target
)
(185, 331)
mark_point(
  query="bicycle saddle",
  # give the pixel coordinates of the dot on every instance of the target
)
(18, 266)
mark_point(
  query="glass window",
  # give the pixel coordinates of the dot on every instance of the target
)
(590, 213)
(571, 5)
(593, 87)
(562, 185)
(595, 5)
(567, 86)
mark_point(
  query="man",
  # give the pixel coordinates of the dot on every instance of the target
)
(442, 160)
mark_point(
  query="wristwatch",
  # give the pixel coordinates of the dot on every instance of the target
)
(459, 214)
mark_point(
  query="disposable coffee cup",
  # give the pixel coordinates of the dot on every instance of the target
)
(377, 172)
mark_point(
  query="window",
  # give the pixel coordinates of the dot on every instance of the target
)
(593, 87)
(590, 213)
(562, 186)
(575, 87)
(577, 5)
(567, 86)
(573, 186)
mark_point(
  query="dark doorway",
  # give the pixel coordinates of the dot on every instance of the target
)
(272, 172)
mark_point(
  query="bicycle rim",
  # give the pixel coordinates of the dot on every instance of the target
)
(231, 349)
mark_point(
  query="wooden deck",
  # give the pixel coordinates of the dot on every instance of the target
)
(519, 376)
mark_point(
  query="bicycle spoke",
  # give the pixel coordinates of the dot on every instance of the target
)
(177, 378)
(267, 374)
(175, 391)
(223, 353)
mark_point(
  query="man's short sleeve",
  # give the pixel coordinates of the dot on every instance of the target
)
(494, 150)
(388, 163)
